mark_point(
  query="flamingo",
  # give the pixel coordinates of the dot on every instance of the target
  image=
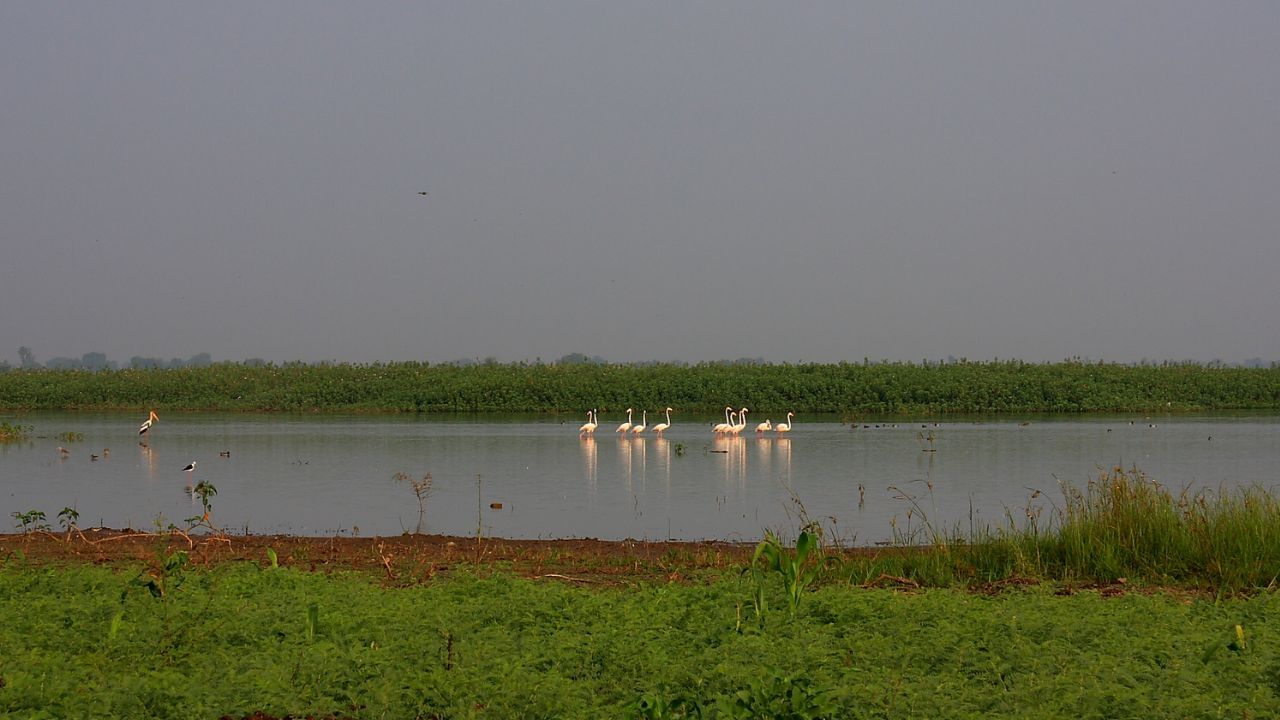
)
(764, 426)
(728, 422)
(786, 426)
(589, 427)
(624, 427)
(741, 424)
(644, 422)
(662, 427)
(147, 424)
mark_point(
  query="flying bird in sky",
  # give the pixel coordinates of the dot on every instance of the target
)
(422, 192)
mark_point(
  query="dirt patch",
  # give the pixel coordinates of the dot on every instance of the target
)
(397, 559)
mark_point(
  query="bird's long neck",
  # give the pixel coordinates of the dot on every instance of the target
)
(668, 416)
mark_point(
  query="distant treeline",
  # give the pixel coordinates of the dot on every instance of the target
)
(851, 389)
(98, 361)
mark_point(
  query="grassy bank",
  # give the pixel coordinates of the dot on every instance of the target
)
(1099, 611)
(851, 389)
(1122, 527)
(86, 641)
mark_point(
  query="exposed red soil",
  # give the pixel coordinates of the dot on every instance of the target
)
(399, 559)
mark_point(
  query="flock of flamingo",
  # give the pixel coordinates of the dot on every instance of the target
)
(735, 421)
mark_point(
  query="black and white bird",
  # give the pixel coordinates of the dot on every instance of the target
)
(147, 425)
(190, 467)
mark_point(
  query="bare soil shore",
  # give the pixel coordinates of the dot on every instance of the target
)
(398, 558)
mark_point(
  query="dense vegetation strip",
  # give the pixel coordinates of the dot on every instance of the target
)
(1122, 527)
(177, 642)
(848, 388)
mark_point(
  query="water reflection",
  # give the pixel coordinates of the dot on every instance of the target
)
(148, 459)
(734, 460)
(663, 448)
(624, 460)
(591, 462)
(319, 475)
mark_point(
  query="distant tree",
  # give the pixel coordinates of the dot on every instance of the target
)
(5, 366)
(26, 358)
(175, 363)
(63, 363)
(254, 362)
(96, 361)
(580, 359)
(145, 363)
(203, 359)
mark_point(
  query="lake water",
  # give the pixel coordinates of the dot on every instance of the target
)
(325, 475)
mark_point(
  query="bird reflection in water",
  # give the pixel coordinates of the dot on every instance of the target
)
(639, 456)
(590, 462)
(663, 448)
(734, 450)
(148, 459)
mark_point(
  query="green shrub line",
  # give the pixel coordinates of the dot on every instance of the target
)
(847, 388)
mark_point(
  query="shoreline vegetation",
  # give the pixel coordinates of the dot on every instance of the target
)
(1122, 529)
(847, 389)
(1137, 604)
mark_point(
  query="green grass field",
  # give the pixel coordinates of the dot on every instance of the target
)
(85, 641)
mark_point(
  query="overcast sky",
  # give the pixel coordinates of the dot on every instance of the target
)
(641, 180)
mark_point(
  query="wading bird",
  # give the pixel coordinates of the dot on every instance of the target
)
(741, 424)
(786, 426)
(662, 427)
(644, 422)
(191, 466)
(624, 427)
(728, 422)
(589, 427)
(142, 430)
(764, 426)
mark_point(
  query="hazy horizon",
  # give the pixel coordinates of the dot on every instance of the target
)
(649, 181)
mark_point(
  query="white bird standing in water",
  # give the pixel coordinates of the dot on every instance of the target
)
(741, 424)
(764, 426)
(662, 427)
(624, 427)
(146, 425)
(786, 426)
(728, 422)
(589, 427)
(644, 422)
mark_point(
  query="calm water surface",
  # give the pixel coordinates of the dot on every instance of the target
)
(325, 475)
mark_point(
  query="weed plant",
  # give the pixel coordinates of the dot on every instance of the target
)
(15, 432)
(1123, 527)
